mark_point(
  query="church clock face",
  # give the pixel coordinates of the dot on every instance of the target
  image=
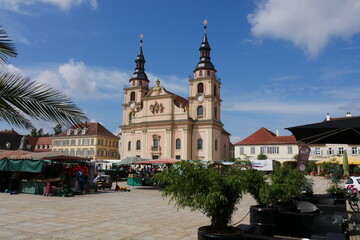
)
(132, 105)
(200, 98)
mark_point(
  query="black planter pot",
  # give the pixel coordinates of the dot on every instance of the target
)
(283, 205)
(337, 195)
(263, 220)
(203, 235)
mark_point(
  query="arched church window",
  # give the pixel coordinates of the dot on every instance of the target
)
(130, 117)
(215, 90)
(199, 144)
(200, 111)
(215, 144)
(138, 145)
(208, 73)
(200, 88)
(178, 144)
(132, 96)
(200, 73)
(129, 145)
(140, 83)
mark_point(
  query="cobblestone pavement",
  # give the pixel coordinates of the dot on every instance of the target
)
(141, 214)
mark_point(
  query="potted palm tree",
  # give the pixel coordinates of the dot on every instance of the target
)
(213, 190)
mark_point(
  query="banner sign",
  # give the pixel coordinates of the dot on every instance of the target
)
(303, 157)
(262, 165)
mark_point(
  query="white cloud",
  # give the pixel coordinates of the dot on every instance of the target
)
(256, 42)
(171, 83)
(235, 139)
(80, 81)
(274, 107)
(64, 5)
(285, 78)
(308, 24)
(10, 68)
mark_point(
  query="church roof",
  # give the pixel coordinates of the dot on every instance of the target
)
(264, 136)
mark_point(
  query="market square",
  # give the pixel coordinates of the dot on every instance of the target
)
(141, 214)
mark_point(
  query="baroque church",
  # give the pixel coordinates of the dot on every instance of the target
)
(160, 124)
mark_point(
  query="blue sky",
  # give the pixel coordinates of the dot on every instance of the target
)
(282, 62)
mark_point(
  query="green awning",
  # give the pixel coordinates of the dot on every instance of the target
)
(21, 165)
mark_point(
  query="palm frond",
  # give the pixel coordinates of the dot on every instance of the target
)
(22, 97)
(7, 47)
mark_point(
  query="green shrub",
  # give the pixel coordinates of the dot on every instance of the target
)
(213, 191)
(261, 156)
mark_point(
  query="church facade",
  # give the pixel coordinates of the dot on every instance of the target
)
(160, 124)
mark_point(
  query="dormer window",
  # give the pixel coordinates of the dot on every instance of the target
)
(69, 131)
(76, 132)
(84, 131)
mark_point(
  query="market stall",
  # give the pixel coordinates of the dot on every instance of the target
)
(49, 173)
(142, 176)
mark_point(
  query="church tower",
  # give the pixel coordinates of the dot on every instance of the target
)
(137, 89)
(205, 86)
(209, 140)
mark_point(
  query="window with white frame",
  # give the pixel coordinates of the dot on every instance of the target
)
(290, 150)
(354, 151)
(317, 151)
(269, 150)
(241, 150)
(340, 150)
(252, 150)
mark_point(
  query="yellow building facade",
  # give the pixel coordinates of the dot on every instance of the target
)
(92, 140)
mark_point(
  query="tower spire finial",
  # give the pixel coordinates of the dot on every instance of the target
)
(141, 39)
(205, 23)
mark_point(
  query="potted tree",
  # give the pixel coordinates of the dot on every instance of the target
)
(213, 190)
(271, 194)
(335, 172)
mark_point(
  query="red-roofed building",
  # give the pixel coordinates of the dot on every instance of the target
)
(43, 144)
(280, 148)
(92, 140)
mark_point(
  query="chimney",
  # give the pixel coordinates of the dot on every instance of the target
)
(277, 132)
(348, 114)
(327, 117)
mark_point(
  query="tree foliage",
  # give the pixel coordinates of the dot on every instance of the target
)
(283, 184)
(214, 191)
(262, 156)
(21, 98)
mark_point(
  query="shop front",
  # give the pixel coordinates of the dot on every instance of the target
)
(48, 173)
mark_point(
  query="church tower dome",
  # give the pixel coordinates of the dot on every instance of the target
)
(139, 77)
(204, 66)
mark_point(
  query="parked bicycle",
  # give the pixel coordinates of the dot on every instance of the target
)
(353, 198)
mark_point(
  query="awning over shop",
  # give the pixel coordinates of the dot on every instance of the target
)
(21, 165)
(340, 160)
(343, 130)
(160, 161)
